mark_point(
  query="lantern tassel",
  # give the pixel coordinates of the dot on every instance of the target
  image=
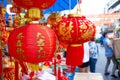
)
(55, 66)
(16, 70)
(24, 67)
(59, 73)
(75, 54)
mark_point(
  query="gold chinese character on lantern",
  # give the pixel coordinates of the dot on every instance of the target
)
(19, 50)
(19, 43)
(20, 36)
(40, 39)
(41, 53)
(41, 42)
(20, 53)
(66, 31)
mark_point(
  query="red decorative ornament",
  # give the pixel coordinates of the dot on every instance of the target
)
(32, 43)
(41, 4)
(9, 73)
(75, 30)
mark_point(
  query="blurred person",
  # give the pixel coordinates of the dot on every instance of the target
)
(93, 50)
(85, 65)
(109, 55)
(118, 33)
(101, 40)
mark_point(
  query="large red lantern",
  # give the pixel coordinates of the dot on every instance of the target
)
(75, 30)
(41, 4)
(32, 43)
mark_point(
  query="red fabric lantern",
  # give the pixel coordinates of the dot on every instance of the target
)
(41, 4)
(32, 43)
(74, 31)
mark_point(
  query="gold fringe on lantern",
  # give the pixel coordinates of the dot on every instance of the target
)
(33, 67)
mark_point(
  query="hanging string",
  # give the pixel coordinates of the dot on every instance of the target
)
(78, 6)
(69, 6)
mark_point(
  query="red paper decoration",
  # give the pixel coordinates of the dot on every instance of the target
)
(41, 4)
(32, 43)
(75, 31)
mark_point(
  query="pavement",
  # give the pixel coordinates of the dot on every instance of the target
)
(101, 65)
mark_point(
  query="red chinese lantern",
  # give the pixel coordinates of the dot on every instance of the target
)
(32, 43)
(41, 4)
(75, 30)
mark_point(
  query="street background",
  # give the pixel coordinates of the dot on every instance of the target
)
(101, 64)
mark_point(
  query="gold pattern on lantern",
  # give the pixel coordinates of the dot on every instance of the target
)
(90, 25)
(20, 50)
(65, 32)
(40, 50)
(87, 34)
(19, 43)
(38, 35)
(84, 30)
(44, 5)
(20, 36)
(83, 26)
(41, 42)
(41, 53)
(72, 31)
(80, 30)
(62, 26)
(20, 53)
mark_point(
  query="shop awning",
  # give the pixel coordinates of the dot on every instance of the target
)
(61, 5)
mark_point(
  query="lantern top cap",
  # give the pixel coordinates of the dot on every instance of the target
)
(75, 15)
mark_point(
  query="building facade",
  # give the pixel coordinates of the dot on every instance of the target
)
(113, 6)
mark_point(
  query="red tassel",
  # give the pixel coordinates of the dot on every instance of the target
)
(73, 68)
(31, 75)
(75, 54)
(24, 67)
(55, 66)
(0, 62)
(16, 70)
(59, 73)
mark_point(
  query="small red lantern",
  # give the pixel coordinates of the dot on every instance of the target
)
(32, 43)
(75, 30)
(41, 4)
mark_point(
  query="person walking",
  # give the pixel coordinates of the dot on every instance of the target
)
(109, 55)
(93, 50)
